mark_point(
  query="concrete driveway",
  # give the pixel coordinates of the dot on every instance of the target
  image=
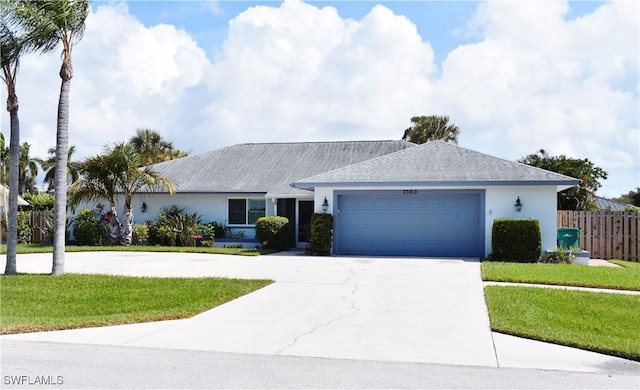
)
(391, 309)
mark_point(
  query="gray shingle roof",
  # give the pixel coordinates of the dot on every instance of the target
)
(268, 167)
(437, 163)
(610, 204)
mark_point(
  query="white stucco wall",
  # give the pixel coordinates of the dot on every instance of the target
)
(539, 202)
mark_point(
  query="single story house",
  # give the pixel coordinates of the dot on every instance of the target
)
(387, 197)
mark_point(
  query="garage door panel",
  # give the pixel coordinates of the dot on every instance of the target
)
(415, 225)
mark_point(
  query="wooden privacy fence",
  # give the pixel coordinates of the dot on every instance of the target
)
(39, 225)
(605, 234)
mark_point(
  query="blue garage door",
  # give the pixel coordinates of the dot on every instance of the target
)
(410, 223)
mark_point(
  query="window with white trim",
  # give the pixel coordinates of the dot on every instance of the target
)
(245, 211)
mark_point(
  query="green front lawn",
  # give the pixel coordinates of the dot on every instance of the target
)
(39, 248)
(626, 264)
(563, 274)
(601, 322)
(42, 302)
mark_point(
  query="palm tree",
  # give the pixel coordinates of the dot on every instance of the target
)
(49, 165)
(153, 148)
(431, 128)
(11, 48)
(117, 170)
(47, 25)
(28, 170)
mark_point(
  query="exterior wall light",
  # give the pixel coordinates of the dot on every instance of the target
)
(518, 204)
(143, 208)
(325, 205)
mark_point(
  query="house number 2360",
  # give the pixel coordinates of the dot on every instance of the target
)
(409, 192)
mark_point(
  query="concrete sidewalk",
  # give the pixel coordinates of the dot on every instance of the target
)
(387, 309)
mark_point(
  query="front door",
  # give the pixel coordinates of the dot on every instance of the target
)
(287, 208)
(305, 211)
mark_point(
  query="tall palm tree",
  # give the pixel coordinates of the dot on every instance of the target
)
(153, 148)
(49, 24)
(27, 168)
(118, 169)
(49, 165)
(11, 48)
(431, 128)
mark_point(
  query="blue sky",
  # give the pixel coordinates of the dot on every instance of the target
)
(514, 76)
(437, 20)
(441, 22)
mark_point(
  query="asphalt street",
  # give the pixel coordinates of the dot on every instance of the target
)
(27, 365)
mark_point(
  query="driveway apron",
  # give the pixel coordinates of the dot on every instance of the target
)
(395, 309)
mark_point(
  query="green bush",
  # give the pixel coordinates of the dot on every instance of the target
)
(140, 234)
(211, 230)
(273, 232)
(87, 228)
(175, 227)
(560, 256)
(24, 227)
(39, 201)
(516, 240)
(321, 225)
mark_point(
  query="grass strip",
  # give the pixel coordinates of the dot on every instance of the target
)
(39, 248)
(563, 274)
(600, 322)
(626, 264)
(42, 302)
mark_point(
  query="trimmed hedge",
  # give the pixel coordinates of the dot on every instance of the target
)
(321, 226)
(273, 232)
(516, 240)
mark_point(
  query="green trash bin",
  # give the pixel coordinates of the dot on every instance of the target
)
(568, 238)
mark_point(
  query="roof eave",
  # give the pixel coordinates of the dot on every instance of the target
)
(560, 184)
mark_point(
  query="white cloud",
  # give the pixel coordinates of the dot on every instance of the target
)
(294, 72)
(537, 80)
(125, 76)
(297, 72)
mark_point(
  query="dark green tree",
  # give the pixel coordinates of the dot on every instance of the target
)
(632, 198)
(576, 198)
(431, 128)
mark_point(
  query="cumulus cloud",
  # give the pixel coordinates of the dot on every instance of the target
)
(297, 72)
(126, 76)
(532, 78)
(538, 80)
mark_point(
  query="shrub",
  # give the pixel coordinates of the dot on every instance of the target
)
(175, 227)
(516, 240)
(87, 228)
(273, 232)
(24, 227)
(39, 201)
(321, 225)
(211, 230)
(140, 234)
(560, 256)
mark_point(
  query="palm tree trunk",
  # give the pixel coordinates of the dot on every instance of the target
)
(62, 146)
(127, 223)
(14, 160)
